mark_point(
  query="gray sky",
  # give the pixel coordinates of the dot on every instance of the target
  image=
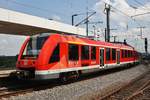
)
(10, 44)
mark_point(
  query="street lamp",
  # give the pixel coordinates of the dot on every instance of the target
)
(73, 18)
(77, 15)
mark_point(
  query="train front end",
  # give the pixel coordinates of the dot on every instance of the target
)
(27, 58)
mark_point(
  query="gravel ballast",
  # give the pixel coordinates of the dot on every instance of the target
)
(83, 90)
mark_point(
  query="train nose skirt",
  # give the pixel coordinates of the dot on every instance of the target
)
(24, 75)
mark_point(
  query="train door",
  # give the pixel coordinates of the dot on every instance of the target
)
(101, 57)
(118, 57)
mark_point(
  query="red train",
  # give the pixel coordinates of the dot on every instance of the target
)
(63, 56)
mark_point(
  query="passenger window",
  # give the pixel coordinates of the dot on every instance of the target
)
(131, 54)
(122, 53)
(126, 54)
(73, 52)
(107, 54)
(113, 54)
(55, 55)
(93, 53)
(84, 52)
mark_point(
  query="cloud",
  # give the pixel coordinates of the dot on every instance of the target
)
(115, 17)
(120, 17)
(120, 11)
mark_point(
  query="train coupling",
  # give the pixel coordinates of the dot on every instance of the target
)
(22, 75)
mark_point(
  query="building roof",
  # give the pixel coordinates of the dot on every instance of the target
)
(12, 22)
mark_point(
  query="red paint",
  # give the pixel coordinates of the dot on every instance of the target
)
(42, 62)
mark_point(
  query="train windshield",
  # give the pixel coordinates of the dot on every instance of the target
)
(34, 46)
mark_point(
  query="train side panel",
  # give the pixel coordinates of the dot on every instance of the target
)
(64, 54)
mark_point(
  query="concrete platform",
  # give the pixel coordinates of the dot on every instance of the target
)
(5, 73)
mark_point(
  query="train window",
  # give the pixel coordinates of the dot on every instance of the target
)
(34, 47)
(40, 42)
(84, 52)
(126, 54)
(55, 55)
(107, 53)
(113, 54)
(131, 54)
(93, 53)
(122, 51)
(73, 52)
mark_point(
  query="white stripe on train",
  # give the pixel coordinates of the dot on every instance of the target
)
(106, 66)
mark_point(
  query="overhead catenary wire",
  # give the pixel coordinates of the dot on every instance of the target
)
(85, 19)
(142, 5)
(141, 14)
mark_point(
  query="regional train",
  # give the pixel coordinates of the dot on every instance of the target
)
(63, 56)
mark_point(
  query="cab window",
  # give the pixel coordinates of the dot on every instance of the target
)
(55, 55)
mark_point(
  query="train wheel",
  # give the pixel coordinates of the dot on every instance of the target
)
(77, 75)
(63, 77)
(69, 76)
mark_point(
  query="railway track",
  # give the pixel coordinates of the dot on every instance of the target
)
(9, 87)
(132, 90)
(36, 86)
(6, 93)
(140, 92)
(25, 88)
(4, 75)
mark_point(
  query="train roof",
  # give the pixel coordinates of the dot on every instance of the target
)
(87, 41)
(76, 39)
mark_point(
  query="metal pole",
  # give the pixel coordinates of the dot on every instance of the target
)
(141, 30)
(87, 23)
(115, 38)
(94, 32)
(107, 7)
(72, 20)
(146, 44)
(72, 17)
(105, 35)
